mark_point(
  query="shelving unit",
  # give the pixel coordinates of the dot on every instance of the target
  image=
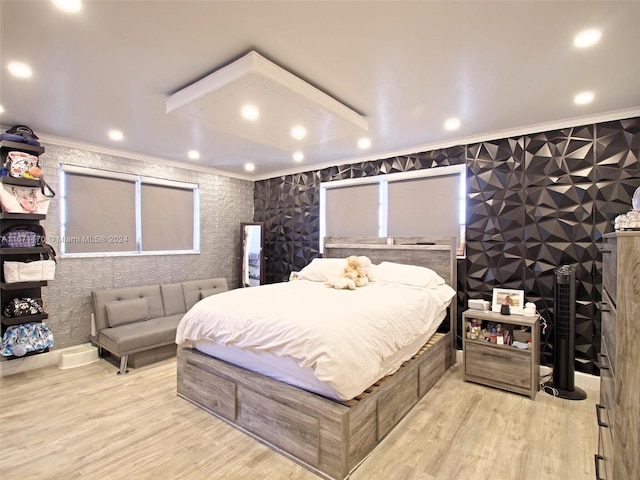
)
(9, 291)
(502, 365)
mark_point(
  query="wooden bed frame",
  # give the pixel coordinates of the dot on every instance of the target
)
(328, 437)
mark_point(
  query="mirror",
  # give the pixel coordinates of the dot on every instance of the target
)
(252, 258)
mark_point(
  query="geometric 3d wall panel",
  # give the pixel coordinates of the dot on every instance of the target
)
(533, 203)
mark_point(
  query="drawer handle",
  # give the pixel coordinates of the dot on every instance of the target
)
(603, 365)
(604, 307)
(600, 407)
(597, 459)
(604, 250)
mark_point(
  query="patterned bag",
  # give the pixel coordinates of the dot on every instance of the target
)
(22, 236)
(19, 163)
(21, 307)
(21, 199)
(19, 340)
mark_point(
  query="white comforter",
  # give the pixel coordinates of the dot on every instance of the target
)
(343, 335)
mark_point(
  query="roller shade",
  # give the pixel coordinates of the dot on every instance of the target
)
(352, 211)
(100, 214)
(424, 206)
(167, 218)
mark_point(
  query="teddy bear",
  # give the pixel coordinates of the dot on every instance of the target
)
(355, 274)
(341, 283)
(364, 271)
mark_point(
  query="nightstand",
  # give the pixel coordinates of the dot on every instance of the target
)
(503, 366)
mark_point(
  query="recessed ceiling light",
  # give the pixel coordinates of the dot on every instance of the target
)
(452, 124)
(583, 98)
(249, 167)
(71, 6)
(298, 156)
(20, 70)
(587, 38)
(298, 132)
(364, 143)
(116, 135)
(250, 112)
(193, 154)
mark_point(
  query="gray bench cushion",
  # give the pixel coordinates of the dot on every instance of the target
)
(173, 299)
(192, 289)
(127, 339)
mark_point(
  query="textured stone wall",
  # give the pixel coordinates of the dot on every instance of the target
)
(224, 203)
(534, 202)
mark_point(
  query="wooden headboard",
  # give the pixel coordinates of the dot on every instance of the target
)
(436, 253)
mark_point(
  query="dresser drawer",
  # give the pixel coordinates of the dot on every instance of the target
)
(610, 267)
(607, 391)
(604, 460)
(608, 328)
(498, 366)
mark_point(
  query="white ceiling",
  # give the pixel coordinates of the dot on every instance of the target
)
(501, 67)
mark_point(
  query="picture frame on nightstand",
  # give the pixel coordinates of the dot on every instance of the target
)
(505, 296)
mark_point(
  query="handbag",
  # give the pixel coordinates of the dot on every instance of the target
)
(22, 236)
(21, 199)
(34, 271)
(24, 306)
(20, 133)
(19, 238)
(19, 163)
(12, 137)
(19, 340)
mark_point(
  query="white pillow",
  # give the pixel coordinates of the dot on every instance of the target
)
(322, 269)
(414, 275)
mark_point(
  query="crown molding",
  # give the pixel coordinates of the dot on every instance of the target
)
(481, 137)
(92, 147)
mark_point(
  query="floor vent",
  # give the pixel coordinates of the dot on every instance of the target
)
(78, 356)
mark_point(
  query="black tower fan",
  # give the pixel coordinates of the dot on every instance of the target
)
(564, 335)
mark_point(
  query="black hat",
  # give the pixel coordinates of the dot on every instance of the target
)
(22, 130)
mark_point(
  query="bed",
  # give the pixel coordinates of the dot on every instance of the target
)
(329, 426)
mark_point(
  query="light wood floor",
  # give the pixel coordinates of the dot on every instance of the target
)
(90, 423)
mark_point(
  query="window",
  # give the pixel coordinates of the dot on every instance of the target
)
(109, 213)
(418, 203)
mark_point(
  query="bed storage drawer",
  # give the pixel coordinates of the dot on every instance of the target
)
(498, 366)
(212, 392)
(396, 403)
(432, 369)
(282, 426)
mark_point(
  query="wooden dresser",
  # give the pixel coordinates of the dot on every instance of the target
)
(618, 413)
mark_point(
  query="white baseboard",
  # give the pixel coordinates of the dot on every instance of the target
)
(21, 365)
(581, 380)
